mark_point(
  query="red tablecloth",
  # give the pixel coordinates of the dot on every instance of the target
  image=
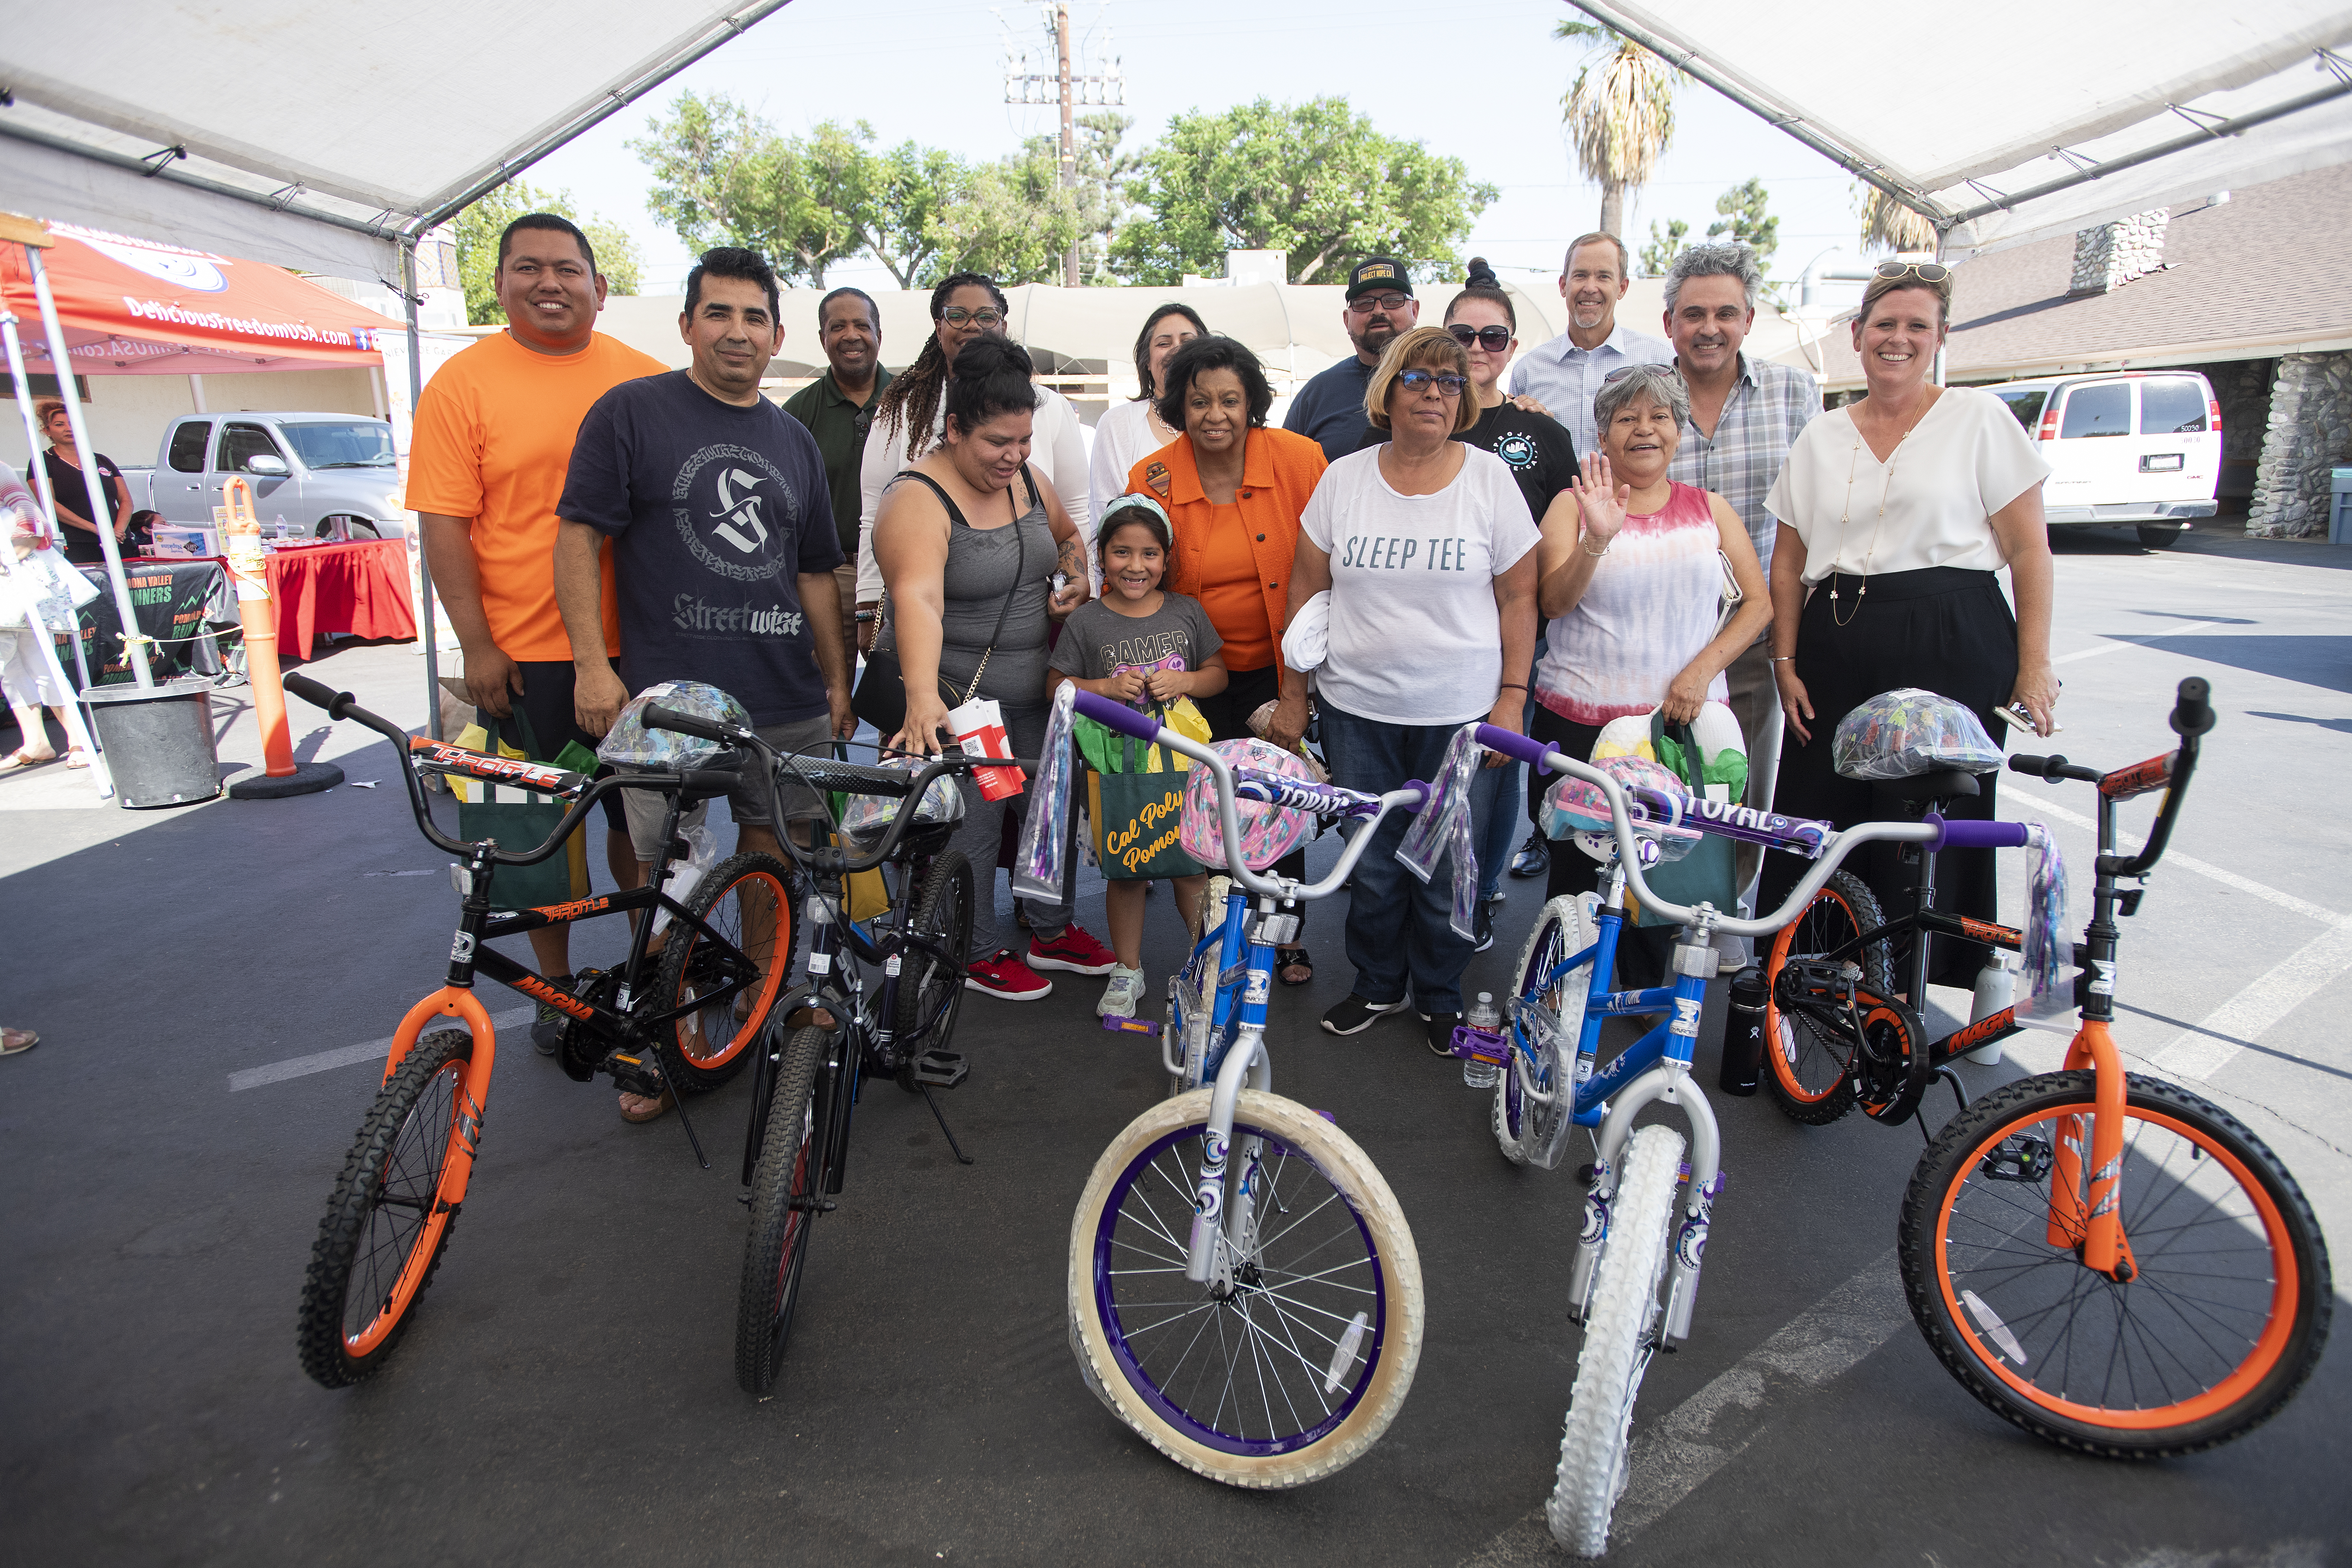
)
(359, 589)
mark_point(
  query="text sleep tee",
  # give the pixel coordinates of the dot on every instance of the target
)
(715, 511)
(1415, 635)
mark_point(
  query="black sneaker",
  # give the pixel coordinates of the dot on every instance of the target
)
(547, 1023)
(1440, 1027)
(1354, 1015)
(1533, 860)
(1485, 928)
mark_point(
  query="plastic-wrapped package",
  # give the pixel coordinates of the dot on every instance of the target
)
(630, 745)
(1903, 733)
(2047, 953)
(1443, 828)
(1037, 867)
(865, 814)
(1268, 832)
(1573, 806)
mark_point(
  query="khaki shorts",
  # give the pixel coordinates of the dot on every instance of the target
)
(747, 801)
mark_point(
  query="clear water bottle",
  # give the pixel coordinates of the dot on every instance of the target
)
(1477, 1074)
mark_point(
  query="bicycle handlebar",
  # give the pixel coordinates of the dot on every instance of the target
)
(2192, 717)
(1116, 716)
(658, 717)
(1968, 833)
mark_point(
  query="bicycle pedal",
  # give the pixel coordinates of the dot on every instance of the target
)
(635, 1074)
(1131, 1025)
(942, 1070)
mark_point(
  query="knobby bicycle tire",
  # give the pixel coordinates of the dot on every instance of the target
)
(1622, 1329)
(2223, 1321)
(1329, 1346)
(1193, 990)
(776, 1250)
(734, 897)
(367, 1266)
(930, 987)
(1524, 1130)
(1811, 1067)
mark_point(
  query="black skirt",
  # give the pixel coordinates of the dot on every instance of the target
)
(1941, 629)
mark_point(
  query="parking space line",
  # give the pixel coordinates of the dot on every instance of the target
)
(2126, 842)
(2303, 974)
(1674, 1455)
(343, 1056)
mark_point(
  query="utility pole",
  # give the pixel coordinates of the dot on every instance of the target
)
(1068, 88)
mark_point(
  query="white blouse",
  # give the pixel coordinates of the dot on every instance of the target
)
(1123, 437)
(1929, 504)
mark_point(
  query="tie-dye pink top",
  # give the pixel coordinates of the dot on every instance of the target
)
(1651, 606)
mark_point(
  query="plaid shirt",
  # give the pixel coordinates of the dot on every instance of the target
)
(1769, 405)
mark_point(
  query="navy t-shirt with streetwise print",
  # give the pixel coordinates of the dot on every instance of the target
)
(715, 511)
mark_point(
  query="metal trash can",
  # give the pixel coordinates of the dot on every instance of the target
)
(2339, 506)
(159, 743)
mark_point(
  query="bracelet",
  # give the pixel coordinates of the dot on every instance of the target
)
(1511, 686)
(1596, 554)
(1782, 659)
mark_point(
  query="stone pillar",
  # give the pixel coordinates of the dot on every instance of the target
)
(2113, 254)
(2310, 432)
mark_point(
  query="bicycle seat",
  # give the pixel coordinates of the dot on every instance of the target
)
(1943, 783)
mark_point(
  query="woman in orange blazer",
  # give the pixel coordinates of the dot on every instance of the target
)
(1234, 490)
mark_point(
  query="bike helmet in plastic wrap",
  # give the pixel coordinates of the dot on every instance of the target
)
(1573, 808)
(864, 815)
(1902, 734)
(1268, 832)
(631, 744)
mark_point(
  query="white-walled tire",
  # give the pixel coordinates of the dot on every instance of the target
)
(1621, 1329)
(1523, 1130)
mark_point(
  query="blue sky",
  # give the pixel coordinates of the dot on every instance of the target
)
(1479, 80)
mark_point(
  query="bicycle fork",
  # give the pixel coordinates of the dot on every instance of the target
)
(1213, 1215)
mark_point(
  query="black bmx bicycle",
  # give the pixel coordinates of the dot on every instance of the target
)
(682, 1012)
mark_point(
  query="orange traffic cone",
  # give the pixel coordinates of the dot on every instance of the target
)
(241, 536)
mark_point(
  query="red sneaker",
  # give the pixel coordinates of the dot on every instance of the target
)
(1004, 976)
(1075, 950)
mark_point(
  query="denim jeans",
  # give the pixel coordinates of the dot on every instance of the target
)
(1400, 931)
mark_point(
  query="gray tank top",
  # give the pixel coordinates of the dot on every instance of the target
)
(983, 566)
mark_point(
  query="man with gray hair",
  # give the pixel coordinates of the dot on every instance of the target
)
(1565, 373)
(1744, 417)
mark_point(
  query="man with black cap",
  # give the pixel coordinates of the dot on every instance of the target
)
(1329, 409)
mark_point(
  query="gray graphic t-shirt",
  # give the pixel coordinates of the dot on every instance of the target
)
(714, 511)
(1097, 641)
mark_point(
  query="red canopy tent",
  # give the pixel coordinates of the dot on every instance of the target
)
(140, 307)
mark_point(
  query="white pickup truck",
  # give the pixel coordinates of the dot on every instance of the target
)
(312, 470)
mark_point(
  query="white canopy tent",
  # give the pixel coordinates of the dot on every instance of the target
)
(2014, 120)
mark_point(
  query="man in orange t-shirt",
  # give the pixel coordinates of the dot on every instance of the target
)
(492, 445)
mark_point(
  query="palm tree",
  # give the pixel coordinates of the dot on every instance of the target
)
(1621, 111)
(1888, 224)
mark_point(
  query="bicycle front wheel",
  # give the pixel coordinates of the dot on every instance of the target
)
(1621, 1333)
(784, 1196)
(1812, 1063)
(389, 1218)
(1524, 1129)
(2228, 1302)
(1294, 1368)
(930, 988)
(744, 900)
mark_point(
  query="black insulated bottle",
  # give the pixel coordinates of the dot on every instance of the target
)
(1743, 1034)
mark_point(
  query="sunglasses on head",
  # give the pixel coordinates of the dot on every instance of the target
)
(1419, 380)
(1926, 271)
(957, 316)
(1494, 339)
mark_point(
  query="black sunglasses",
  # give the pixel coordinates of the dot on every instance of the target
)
(1494, 339)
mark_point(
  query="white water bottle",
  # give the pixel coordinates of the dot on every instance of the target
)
(1477, 1074)
(1996, 987)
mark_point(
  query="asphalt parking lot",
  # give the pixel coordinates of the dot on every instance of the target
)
(567, 1394)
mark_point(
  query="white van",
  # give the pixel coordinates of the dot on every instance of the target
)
(2124, 446)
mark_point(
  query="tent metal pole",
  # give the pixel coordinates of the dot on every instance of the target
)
(134, 644)
(424, 562)
(77, 732)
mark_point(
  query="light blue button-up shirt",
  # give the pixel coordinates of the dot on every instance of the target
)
(1563, 377)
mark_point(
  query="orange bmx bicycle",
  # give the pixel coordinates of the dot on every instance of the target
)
(683, 1018)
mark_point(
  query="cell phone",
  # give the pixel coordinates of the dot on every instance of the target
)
(1061, 581)
(2025, 717)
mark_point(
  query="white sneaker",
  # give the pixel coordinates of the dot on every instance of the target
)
(1122, 995)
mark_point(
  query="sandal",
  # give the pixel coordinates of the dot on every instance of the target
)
(76, 758)
(21, 758)
(639, 1108)
(15, 1040)
(1287, 958)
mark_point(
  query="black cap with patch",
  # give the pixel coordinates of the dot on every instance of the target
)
(1379, 272)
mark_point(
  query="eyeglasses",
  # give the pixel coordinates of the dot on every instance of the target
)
(1371, 302)
(957, 316)
(1420, 381)
(1926, 271)
(1494, 339)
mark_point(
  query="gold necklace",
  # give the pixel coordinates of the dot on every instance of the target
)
(1877, 528)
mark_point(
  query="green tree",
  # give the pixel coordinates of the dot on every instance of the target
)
(479, 226)
(1104, 170)
(1011, 219)
(723, 175)
(902, 223)
(1313, 180)
(1620, 113)
(1663, 246)
(1744, 220)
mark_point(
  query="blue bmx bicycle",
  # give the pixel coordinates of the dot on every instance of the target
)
(1244, 1290)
